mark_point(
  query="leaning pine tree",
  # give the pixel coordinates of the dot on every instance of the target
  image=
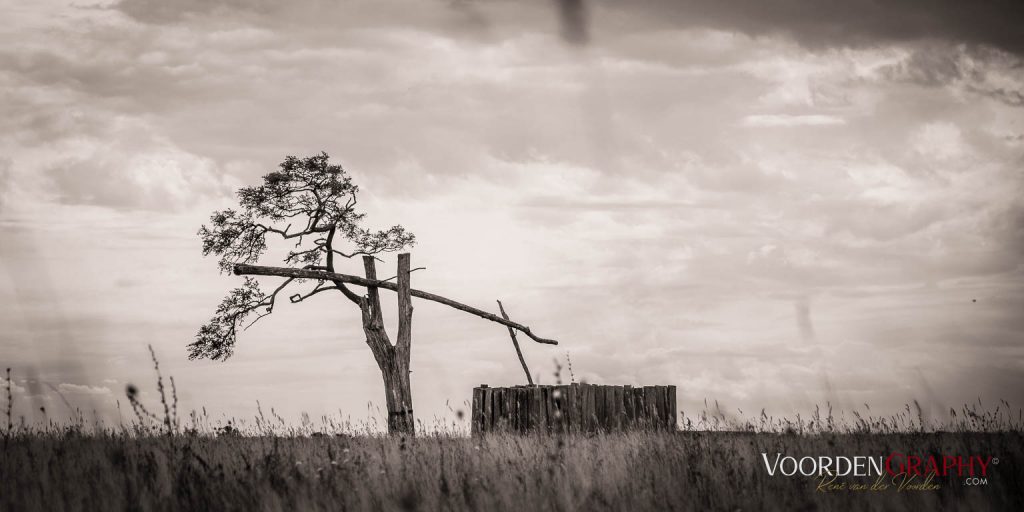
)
(311, 205)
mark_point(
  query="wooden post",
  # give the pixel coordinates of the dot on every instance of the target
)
(542, 413)
(572, 410)
(488, 410)
(651, 403)
(616, 411)
(476, 414)
(515, 343)
(641, 407)
(663, 408)
(673, 423)
(592, 409)
(627, 404)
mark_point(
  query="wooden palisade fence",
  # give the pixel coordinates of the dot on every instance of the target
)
(573, 408)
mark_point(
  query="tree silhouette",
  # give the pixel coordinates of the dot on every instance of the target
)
(312, 204)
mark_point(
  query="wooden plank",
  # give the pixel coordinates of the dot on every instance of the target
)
(495, 408)
(606, 401)
(501, 409)
(585, 408)
(654, 402)
(485, 421)
(509, 409)
(673, 406)
(591, 408)
(496, 401)
(524, 409)
(558, 394)
(651, 406)
(595, 418)
(572, 408)
(534, 407)
(641, 407)
(628, 414)
(607, 395)
(542, 406)
(620, 409)
(511, 392)
(485, 409)
(550, 406)
(542, 411)
(556, 412)
(611, 409)
(563, 392)
(510, 415)
(662, 407)
(517, 409)
(552, 410)
(475, 412)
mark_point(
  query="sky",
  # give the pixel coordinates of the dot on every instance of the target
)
(770, 204)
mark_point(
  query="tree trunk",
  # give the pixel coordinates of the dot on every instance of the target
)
(393, 360)
(399, 398)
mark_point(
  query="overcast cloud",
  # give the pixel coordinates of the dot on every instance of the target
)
(773, 204)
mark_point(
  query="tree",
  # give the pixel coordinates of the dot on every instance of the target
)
(320, 198)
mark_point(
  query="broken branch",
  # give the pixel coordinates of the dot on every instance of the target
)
(242, 269)
(515, 342)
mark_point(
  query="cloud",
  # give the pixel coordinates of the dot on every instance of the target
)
(81, 389)
(694, 169)
(574, 23)
(854, 23)
(160, 178)
(977, 70)
(122, 165)
(792, 120)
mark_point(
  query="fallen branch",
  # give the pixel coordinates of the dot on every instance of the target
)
(242, 269)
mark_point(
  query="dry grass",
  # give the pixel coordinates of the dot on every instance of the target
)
(66, 470)
(157, 462)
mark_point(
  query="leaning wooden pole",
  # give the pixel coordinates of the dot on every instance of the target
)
(242, 269)
(515, 343)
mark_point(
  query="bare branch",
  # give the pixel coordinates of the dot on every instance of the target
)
(259, 270)
(515, 342)
(297, 298)
(411, 271)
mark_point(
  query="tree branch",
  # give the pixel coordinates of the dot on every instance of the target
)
(268, 302)
(242, 269)
(515, 342)
(411, 271)
(298, 297)
(329, 245)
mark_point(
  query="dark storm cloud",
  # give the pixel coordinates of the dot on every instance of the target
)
(974, 67)
(812, 23)
(573, 16)
(851, 22)
(454, 17)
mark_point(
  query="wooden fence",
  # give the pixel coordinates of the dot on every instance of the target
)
(573, 408)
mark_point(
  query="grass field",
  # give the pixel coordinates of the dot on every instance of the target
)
(156, 462)
(68, 470)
